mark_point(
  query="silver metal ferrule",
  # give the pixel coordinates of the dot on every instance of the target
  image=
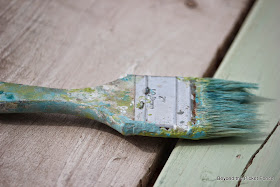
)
(164, 101)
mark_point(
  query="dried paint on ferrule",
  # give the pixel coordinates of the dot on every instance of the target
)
(164, 101)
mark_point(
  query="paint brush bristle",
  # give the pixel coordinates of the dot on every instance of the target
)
(225, 108)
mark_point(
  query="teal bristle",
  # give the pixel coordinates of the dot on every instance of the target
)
(225, 108)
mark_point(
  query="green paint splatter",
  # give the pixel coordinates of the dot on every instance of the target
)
(87, 90)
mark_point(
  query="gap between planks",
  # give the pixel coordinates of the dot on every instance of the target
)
(214, 65)
(221, 52)
(259, 23)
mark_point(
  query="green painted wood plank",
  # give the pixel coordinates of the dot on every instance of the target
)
(253, 57)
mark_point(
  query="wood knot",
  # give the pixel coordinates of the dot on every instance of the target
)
(191, 3)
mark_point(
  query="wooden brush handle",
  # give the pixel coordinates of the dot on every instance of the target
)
(94, 103)
(17, 98)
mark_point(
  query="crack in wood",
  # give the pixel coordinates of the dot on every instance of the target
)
(255, 154)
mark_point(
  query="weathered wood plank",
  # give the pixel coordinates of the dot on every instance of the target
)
(72, 44)
(253, 57)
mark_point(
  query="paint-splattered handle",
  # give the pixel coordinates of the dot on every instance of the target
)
(17, 98)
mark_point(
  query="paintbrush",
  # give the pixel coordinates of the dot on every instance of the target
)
(175, 107)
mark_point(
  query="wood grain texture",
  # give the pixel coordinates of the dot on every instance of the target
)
(74, 44)
(253, 57)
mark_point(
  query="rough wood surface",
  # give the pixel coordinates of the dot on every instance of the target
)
(73, 44)
(253, 57)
